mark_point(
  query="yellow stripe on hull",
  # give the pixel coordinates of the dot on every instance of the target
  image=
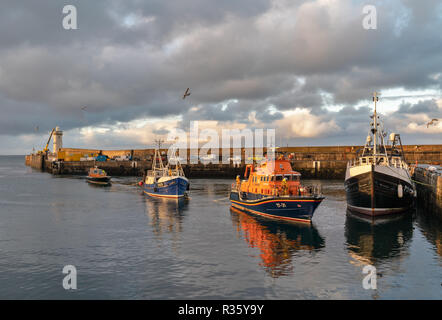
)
(269, 215)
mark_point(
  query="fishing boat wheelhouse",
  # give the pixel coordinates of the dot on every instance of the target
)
(273, 189)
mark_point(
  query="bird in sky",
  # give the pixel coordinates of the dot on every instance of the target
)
(432, 122)
(187, 93)
(84, 108)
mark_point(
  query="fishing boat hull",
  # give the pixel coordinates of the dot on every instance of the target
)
(289, 208)
(172, 188)
(101, 181)
(379, 190)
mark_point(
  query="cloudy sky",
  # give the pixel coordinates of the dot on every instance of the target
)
(306, 68)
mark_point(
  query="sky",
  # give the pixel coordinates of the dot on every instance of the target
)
(304, 68)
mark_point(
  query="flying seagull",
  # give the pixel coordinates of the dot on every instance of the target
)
(432, 122)
(187, 93)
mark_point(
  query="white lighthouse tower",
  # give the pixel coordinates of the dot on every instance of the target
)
(58, 139)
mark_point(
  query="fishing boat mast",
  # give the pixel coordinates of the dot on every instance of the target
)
(375, 129)
(158, 155)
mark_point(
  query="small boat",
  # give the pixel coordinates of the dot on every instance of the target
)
(166, 181)
(273, 189)
(378, 181)
(98, 177)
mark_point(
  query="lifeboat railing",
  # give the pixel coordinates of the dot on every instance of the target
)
(302, 191)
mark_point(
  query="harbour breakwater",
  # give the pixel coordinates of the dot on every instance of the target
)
(328, 162)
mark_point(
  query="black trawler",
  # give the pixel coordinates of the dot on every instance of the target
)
(378, 181)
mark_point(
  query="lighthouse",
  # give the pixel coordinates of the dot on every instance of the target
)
(58, 139)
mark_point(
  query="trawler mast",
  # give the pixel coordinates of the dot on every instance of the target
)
(375, 124)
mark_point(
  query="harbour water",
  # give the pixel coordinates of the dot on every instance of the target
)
(125, 245)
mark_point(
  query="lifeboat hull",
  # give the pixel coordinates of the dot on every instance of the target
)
(289, 208)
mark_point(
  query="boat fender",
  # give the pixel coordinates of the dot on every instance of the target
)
(140, 183)
(400, 191)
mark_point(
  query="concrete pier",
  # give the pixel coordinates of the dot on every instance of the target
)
(35, 161)
(429, 187)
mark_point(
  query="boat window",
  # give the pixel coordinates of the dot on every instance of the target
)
(278, 178)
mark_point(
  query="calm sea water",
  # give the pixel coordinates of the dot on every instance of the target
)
(125, 245)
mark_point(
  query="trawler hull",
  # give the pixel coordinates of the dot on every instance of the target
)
(172, 188)
(290, 208)
(378, 190)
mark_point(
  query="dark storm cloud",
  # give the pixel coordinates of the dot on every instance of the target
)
(429, 107)
(133, 59)
(355, 122)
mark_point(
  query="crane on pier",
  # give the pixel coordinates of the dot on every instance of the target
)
(46, 148)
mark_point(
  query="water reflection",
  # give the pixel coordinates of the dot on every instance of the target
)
(165, 215)
(431, 226)
(277, 242)
(369, 241)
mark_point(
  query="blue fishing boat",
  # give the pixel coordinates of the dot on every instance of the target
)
(166, 181)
